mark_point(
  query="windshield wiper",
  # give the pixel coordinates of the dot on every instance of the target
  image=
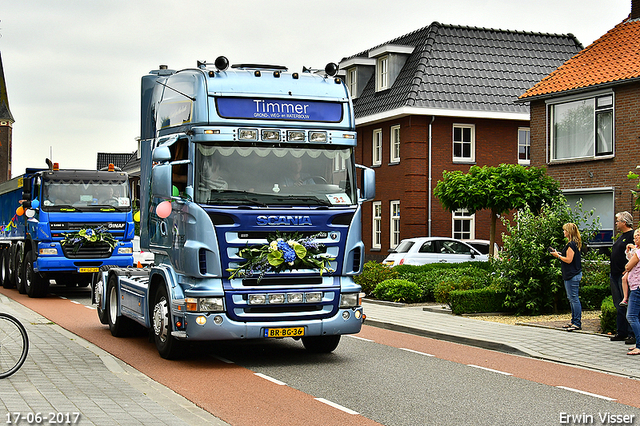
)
(315, 200)
(242, 200)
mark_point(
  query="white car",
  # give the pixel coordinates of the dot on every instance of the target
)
(423, 250)
(144, 257)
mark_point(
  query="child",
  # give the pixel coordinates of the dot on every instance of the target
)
(630, 250)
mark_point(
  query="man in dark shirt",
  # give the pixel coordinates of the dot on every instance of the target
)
(624, 224)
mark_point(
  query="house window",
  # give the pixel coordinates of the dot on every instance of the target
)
(382, 73)
(601, 202)
(352, 81)
(395, 224)
(524, 146)
(463, 225)
(377, 147)
(463, 142)
(377, 225)
(395, 144)
(582, 128)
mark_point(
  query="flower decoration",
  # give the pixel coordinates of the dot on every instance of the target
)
(90, 236)
(283, 252)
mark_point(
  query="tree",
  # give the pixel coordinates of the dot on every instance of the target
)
(497, 188)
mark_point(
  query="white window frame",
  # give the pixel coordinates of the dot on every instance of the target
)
(377, 147)
(376, 240)
(394, 223)
(352, 81)
(471, 142)
(382, 73)
(395, 144)
(462, 215)
(599, 105)
(524, 143)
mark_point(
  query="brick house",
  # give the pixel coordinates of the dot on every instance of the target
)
(585, 126)
(441, 98)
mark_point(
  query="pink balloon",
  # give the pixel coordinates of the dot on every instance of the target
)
(164, 209)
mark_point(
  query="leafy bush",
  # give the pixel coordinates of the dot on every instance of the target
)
(374, 273)
(459, 279)
(595, 269)
(525, 271)
(592, 296)
(398, 291)
(486, 299)
(608, 316)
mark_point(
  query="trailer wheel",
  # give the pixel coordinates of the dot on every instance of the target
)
(168, 346)
(35, 284)
(5, 266)
(118, 325)
(321, 344)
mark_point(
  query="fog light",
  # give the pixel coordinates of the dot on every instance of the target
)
(276, 298)
(257, 299)
(346, 315)
(294, 297)
(48, 251)
(313, 297)
(358, 314)
(217, 320)
(201, 320)
(248, 134)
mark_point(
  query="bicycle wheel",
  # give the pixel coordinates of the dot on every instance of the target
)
(14, 345)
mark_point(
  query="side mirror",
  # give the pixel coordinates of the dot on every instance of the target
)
(161, 181)
(368, 183)
(26, 189)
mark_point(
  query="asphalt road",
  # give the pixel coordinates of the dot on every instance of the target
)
(377, 376)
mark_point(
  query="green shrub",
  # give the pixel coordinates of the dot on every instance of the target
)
(608, 316)
(398, 291)
(592, 296)
(486, 299)
(374, 273)
(459, 279)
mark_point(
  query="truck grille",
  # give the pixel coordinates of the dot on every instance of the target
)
(93, 251)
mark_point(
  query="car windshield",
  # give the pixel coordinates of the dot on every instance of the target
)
(274, 175)
(78, 195)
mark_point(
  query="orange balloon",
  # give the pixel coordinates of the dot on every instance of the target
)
(20, 211)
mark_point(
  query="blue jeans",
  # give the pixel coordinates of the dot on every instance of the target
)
(622, 325)
(572, 287)
(633, 313)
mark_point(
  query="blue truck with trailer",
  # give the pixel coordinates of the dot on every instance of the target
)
(249, 201)
(63, 225)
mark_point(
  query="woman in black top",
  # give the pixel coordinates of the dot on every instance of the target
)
(571, 264)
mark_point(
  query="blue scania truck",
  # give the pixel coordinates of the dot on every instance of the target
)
(63, 225)
(250, 203)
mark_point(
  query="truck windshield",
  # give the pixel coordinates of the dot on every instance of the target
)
(85, 195)
(274, 175)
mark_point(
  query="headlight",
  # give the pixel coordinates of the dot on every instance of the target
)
(125, 250)
(257, 299)
(349, 300)
(317, 136)
(204, 304)
(48, 251)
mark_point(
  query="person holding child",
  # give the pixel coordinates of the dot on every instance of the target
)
(624, 225)
(632, 272)
(571, 265)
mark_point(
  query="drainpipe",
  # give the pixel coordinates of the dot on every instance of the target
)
(433, 117)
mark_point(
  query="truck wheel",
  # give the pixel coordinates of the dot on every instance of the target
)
(321, 344)
(5, 275)
(118, 325)
(168, 346)
(98, 287)
(35, 284)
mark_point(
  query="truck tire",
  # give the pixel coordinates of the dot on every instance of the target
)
(5, 274)
(118, 325)
(168, 346)
(321, 344)
(35, 284)
(15, 263)
(103, 315)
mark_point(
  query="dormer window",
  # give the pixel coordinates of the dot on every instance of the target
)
(352, 82)
(382, 73)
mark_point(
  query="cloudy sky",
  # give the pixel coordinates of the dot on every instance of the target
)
(73, 67)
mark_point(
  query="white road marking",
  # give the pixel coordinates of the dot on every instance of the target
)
(490, 369)
(359, 338)
(338, 406)
(416, 352)
(271, 379)
(587, 393)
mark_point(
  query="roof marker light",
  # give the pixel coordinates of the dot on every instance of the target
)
(56, 167)
(111, 168)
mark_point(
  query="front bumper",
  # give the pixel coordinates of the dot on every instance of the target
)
(218, 326)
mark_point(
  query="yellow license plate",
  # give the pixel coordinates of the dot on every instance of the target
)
(88, 270)
(284, 332)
